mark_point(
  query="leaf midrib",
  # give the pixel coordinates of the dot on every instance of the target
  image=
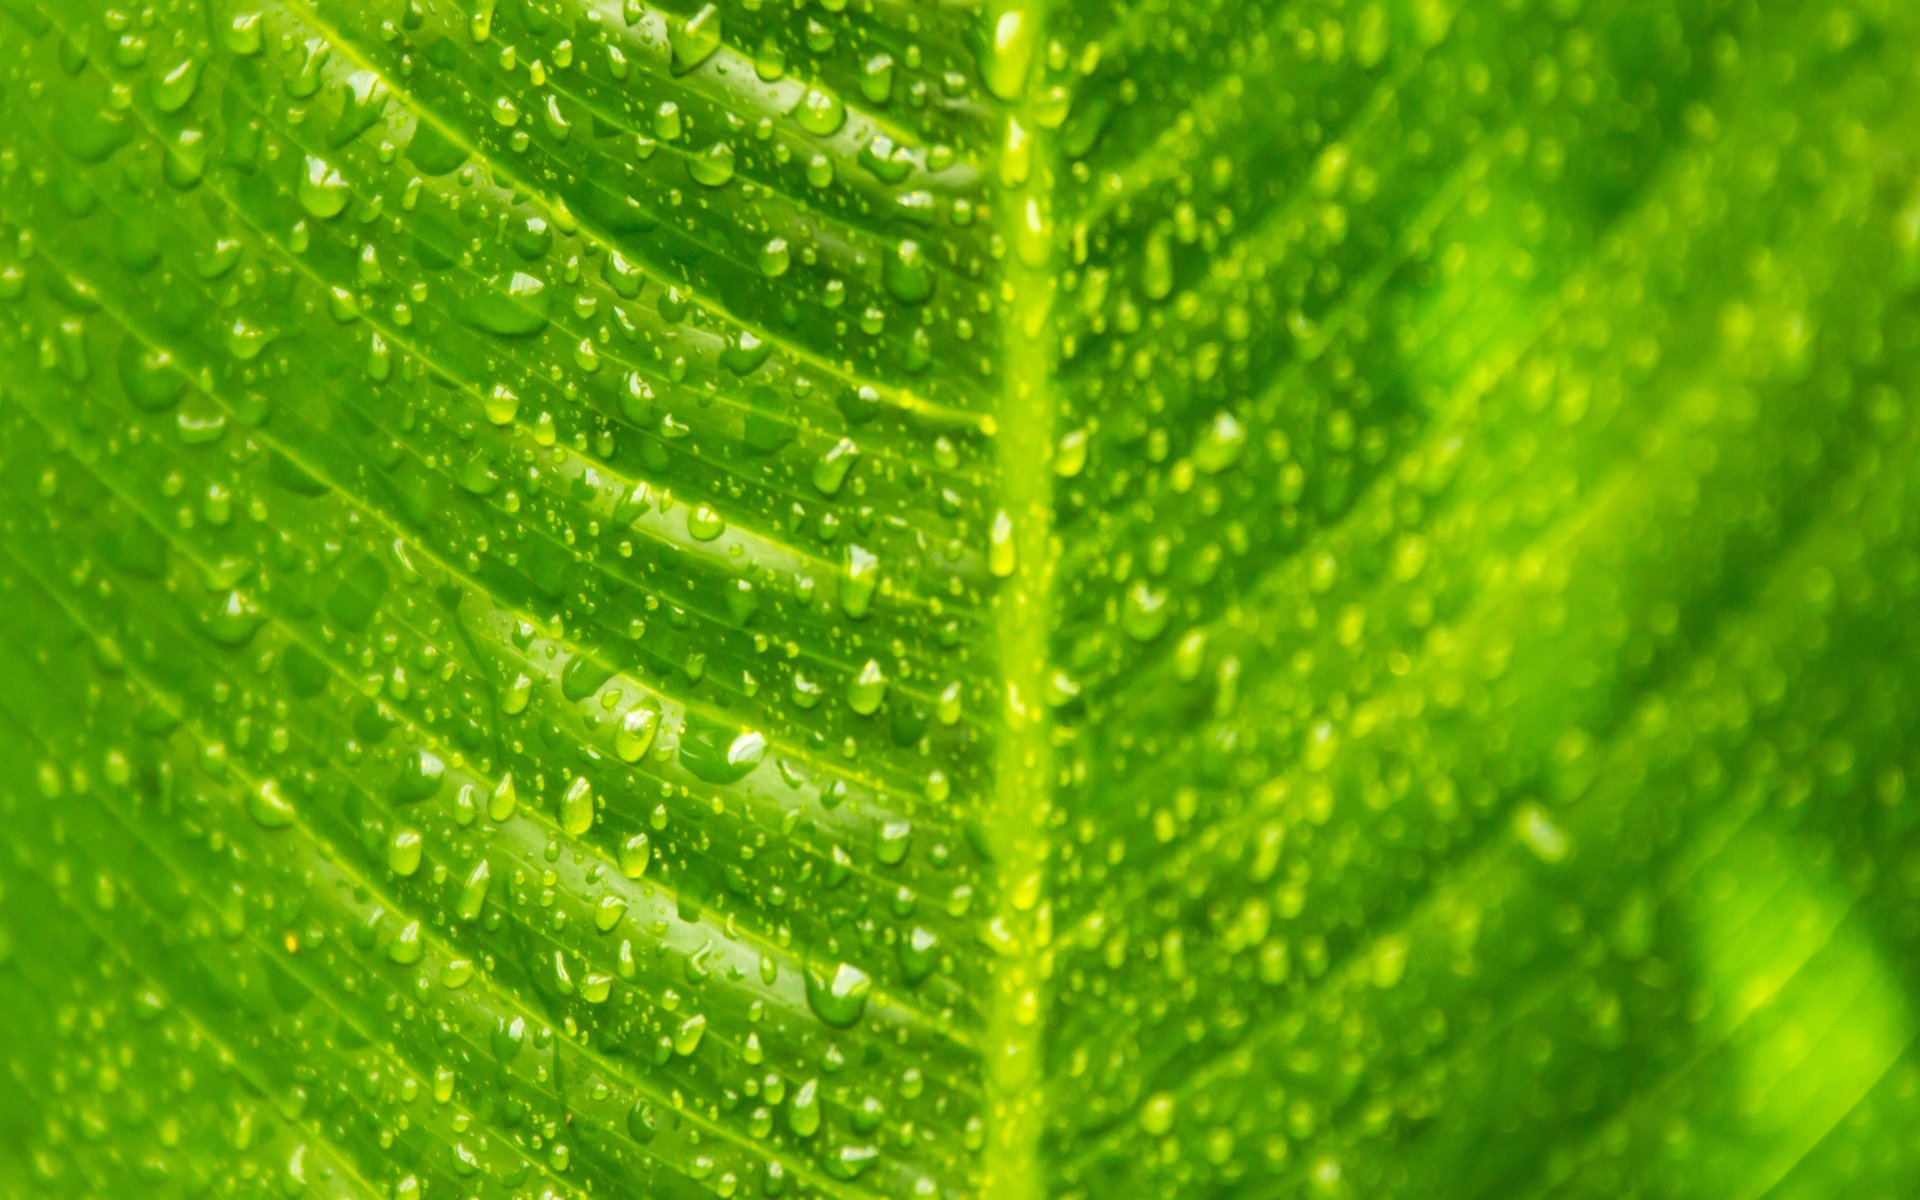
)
(1019, 811)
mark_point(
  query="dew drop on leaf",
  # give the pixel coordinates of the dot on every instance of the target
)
(322, 192)
(838, 993)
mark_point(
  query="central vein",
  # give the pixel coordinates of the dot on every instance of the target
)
(1023, 556)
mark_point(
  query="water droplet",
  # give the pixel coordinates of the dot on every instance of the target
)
(621, 275)
(634, 737)
(704, 524)
(1221, 445)
(234, 619)
(1006, 53)
(640, 1123)
(695, 41)
(1070, 457)
(1156, 268)
(718, 752)
(686, 1038)
(1144, 614)
(744, 353)
(322, 192)
(919, 952)
(1000, 547)
(803, 1109)
(502, 405)
(408, 945)
(269, 806)
(876, 78)
(890, 847)
(245, 340)
(831, 469)
(419, 778)
(403, 852)
(242, 34)
(868, 689)
(821, 112)
(504, 800)
(473, 893)
(863, 577)
(635, 854)
(576, 807)
(775, 258)
(907, 274)
(608, 913)
(1540, 834)
(838, 994)
(517, 306)
(712, 167)
(172, 90)
(1156, 1115)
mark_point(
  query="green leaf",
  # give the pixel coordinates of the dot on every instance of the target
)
(995, 599)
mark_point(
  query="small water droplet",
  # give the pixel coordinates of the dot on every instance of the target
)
(1000, 547)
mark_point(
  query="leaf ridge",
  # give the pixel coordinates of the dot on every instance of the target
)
(1752, 615)
(881, 788)
(766, 942)
(327, 850)
(1020, 808)
(902, 398)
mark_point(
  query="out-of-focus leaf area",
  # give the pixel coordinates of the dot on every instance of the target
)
(959, 599)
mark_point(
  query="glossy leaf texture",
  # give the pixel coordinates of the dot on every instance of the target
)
(1006, 599)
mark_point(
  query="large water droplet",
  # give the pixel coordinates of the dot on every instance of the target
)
(576, 807)
(694, 41)
(821, 112)
(863, 578)
(172, 90)
(403, 852)
(907, 273)
(1005, 53)
(634, 737)
(419, 778)
(718, 752)
(712, 167)
(517, 306)
(868, 689)
(838, 994)
(269, 806)
(322, 192)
